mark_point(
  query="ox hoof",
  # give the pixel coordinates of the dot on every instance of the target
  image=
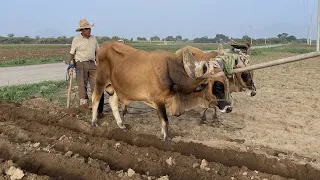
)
(121, 126)
(94, 124)
(253, 93)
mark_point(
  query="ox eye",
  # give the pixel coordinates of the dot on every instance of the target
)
(236, 61)
(244, 76)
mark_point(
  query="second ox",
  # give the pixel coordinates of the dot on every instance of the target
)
(236, 83)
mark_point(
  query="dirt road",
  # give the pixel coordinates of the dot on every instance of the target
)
(32, 74)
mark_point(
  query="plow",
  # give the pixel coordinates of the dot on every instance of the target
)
(244, 49)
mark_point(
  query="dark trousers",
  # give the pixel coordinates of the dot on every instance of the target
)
(86, 72)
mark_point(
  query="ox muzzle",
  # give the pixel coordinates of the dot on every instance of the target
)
(223, 104)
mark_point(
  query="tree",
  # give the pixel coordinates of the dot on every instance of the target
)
(141, 38)
(283, 35)
(155, 38)
(246, 38)
(10, 35)
(291, 38)
(204, 39)
(178, 38)
(185, 40)
(170, 38)
(115, 38)
(221, 38)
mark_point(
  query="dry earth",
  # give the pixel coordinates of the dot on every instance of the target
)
(11, 54)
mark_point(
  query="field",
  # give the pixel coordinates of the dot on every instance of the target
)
(273, 135)
(27, 54)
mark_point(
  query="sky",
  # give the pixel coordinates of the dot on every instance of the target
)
(147, 18)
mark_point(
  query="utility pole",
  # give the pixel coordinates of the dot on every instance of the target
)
(251, 34)
(318, 26)
(307, 28)
(310, 26)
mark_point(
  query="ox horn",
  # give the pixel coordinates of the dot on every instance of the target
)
(276, 62)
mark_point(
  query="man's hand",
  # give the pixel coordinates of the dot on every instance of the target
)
(70, 59)
(67, 62)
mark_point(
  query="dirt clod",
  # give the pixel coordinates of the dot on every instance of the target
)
(14, 173)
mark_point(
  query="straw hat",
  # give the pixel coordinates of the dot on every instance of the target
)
(84, 24)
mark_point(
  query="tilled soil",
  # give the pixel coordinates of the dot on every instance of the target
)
(59, 145)
(11, 54)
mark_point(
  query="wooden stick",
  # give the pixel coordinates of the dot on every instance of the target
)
(70, 86)
(276, 62)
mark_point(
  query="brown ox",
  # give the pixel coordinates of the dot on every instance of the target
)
(238, 82)
(162, 80)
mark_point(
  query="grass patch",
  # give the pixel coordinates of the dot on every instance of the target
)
(49, 90)
(297, 49)
(258, 52)
(26, 61)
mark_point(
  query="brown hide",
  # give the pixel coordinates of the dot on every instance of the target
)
(198, 54)
(151, 77)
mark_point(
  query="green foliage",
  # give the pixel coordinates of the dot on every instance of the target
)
(204, 39)
(219, 38)
(246, 38)
(155, 38)
(170, 38)
(141, 39)
(283, 35)
(178, 38)
(49, 90)
(297, 49)
(26, 61)
(258, 52)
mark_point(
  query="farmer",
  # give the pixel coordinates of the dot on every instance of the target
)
(83, 52)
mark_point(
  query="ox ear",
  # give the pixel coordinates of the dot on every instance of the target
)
(189, 63)
(198, 69)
